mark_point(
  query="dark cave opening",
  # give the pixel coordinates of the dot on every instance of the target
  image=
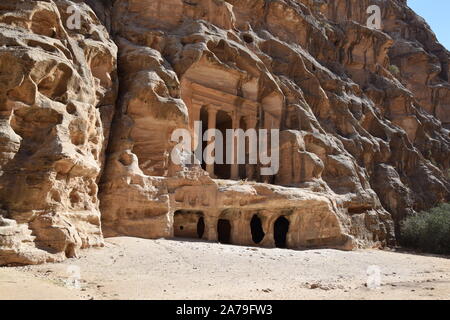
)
(200, 227)
(281, 228)
(224, 231)
(188, 224)
(257, 229)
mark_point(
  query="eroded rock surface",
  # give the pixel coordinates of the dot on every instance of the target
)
(58, 88)
(362, 115)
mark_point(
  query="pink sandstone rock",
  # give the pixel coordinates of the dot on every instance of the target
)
(87, 117)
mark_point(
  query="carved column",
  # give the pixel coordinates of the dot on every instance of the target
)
(194, 115)
(236, 119)
(195, 112)
(268, 124)
(268, 225)
(211, 226)
(212, 115)
(251, 123)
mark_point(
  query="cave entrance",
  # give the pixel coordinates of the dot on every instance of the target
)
(188, 224)
(256, 229)
(281, 228)
(200, 227)
(224, 231)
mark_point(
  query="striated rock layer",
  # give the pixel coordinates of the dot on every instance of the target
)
(362, 115)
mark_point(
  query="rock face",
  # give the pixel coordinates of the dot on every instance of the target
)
(57, 96)
(362, 115)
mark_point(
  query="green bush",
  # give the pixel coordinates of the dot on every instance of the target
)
(428, 231)
(394, 69)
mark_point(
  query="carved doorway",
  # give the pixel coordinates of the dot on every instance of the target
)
(281, 229)
(256, 229)
(224, 122)
(200, 227)
(224, 231)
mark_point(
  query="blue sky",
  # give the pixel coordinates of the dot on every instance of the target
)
(436, 13)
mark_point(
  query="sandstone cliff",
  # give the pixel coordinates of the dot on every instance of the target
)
(57, 92)
(87, 115)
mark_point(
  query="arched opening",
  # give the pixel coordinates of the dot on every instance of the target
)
(224, 122)
(257, 229)
(200, 227)
(224, 231)
(281, 228)
(188, 224)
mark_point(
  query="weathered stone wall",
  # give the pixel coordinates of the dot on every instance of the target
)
(362, 115)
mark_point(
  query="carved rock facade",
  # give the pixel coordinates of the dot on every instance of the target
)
(362, 143)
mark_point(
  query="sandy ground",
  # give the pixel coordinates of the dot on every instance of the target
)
(129, 268)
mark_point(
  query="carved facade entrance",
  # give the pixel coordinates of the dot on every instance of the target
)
(221, 110)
